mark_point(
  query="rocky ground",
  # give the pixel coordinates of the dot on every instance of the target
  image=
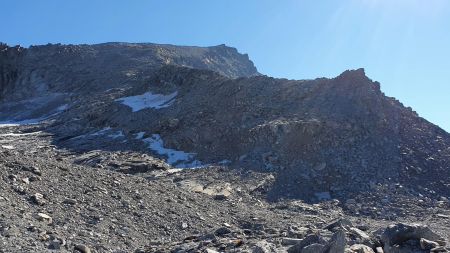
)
(49, 202)
(125, 147)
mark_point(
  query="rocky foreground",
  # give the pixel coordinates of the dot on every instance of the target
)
(50, 204)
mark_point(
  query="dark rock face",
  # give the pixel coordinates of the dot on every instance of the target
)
(9, 69)
(78, 68)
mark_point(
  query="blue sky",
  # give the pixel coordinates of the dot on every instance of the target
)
(403, 44)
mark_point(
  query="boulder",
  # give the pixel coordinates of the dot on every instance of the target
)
(264, 247)
(406, 237)
(337, 242)
(314, 248)
(341, 223)
(308, 240)
(361, 248)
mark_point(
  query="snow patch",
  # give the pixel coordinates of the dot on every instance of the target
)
(11, 123)
(176, 158)
(224, 162)
(16, 135)
(148, 100)
(107, 131)
(116, 135)
(7, 147)
(62, 108)
(101, 132)
(140, 135)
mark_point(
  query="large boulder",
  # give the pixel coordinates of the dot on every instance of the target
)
(401, 238)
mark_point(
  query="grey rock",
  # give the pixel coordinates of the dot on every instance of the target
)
(428, 244)
(44, 217)
(222, 231)
(314, 248)
(38, 199)
(290, 241)
(55, 245)
(395, 237)
(337, 242)
(82, 248)
(340, 223)
(70, 201)
(361, 248)
(308, 240)
(264, 247)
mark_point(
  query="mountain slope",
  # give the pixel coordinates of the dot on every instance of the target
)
(97, 141)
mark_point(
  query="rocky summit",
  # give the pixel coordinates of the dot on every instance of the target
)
(124, 147)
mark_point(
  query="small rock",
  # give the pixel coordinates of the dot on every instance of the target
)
(44, 217)
(70, 201)
(427, 244)
(19, 189)
(36, 171)
(222, 231)
(290, 241)
(264, 247)
(341, 223)
(55, 245)
(379, 250)
(82, 248)
(361, 248)
(38, 199)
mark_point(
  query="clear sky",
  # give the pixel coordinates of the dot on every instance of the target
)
(403, 44)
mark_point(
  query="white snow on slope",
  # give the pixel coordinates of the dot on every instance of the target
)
(176, 158)
(140, 135)
(101, 132)
(148, 100)
(107, 131)
(116, 135)
(16, 135)
(11, 123)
